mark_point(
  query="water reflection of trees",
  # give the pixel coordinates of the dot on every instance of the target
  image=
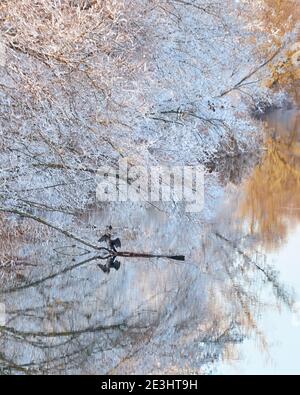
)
(150, 317)
(271, 198)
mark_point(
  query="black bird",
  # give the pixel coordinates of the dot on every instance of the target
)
(111, 262)
(111, 253)
(112, 243)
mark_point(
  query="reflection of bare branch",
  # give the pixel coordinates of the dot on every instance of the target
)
(71, 333)
(268, 273)
(49, 277)
(44, 222)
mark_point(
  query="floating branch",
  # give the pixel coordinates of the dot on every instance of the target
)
(110, 254)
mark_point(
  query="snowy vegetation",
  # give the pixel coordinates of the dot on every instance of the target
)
(84, 83)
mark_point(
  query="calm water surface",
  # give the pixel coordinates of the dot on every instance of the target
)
(272, 212)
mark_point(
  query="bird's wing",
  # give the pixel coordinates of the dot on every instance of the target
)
(116, 243)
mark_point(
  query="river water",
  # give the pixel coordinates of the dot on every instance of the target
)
(268, 204)
(272, 212)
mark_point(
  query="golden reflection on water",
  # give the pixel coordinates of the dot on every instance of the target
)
(270, 205)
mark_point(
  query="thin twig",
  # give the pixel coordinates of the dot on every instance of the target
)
(237, 85)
